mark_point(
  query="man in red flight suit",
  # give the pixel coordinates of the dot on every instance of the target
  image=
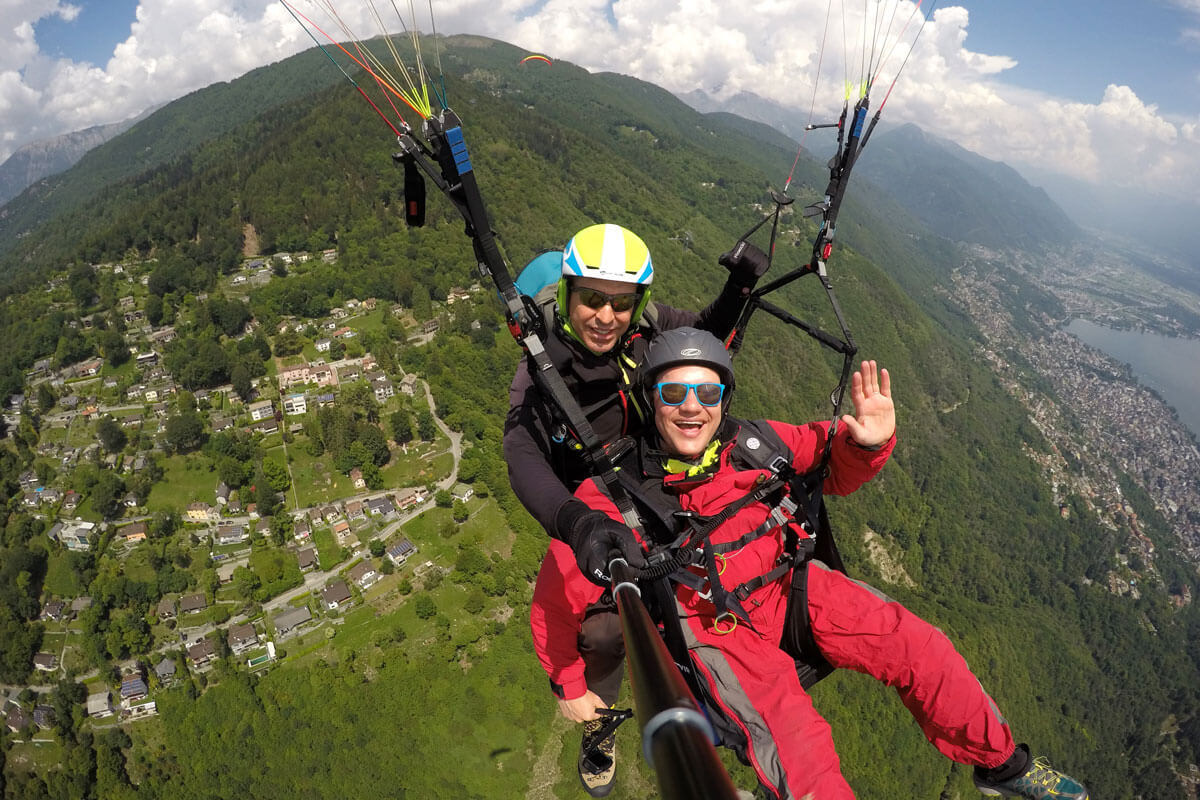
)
(697, 456)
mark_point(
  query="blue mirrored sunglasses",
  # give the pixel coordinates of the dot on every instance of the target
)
(674, 394)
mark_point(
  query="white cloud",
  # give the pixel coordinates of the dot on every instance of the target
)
(174, 47)
(768, 47)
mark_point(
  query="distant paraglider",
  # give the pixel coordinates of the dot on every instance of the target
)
(536, 57)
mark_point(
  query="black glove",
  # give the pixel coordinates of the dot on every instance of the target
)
(596, 540)
(746, 264)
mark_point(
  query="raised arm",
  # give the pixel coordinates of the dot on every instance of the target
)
(746, 264)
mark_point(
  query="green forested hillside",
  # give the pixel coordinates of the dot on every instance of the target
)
(453, 704)
(163, 137)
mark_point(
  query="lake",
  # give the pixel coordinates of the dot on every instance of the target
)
(1169, 365)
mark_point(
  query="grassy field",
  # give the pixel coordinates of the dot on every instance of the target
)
(78, 432)
(329, 552)
(186, 479)
(314, 479)
(61, 580)
(366, 321)
(136, 566)
(53, 641)
(40, 757)
(85, 511)
(424, 464)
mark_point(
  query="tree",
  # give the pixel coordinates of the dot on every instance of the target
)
(82, 281)
(459, 511)
(108, 493)
(373, 442)
(154, 309)
(112, 435)
(45, 397)
(113, 347)
(376, 547)
(471, 561)
(239, 376)
(424, 607)
(164, 524)
(443, 499)
(475, 601)
(422, 308)
(233, 472)
(360, 397)
(18, 644)
(426, 428)
(265, 497)
(245, 582)
(288, 343)
(373, 476)
(184, 431)
(198, 362)
(72, 347)
(401, 423)
(276, 474)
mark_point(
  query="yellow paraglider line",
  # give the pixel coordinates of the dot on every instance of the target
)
(416, 98)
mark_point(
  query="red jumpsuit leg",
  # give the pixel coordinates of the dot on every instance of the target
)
(754, 686)
(859, 628)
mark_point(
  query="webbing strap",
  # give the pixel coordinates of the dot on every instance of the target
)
(455, 177)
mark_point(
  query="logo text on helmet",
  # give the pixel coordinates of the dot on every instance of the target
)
(690, 352)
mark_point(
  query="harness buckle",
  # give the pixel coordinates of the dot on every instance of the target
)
(778, 465)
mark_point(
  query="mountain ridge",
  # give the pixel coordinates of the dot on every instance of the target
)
(36, 160)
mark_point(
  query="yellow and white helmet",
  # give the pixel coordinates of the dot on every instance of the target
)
(608, 252)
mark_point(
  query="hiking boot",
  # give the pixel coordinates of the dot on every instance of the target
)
(1039, 781)
(598, 766)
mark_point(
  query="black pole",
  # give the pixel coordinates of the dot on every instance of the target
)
(677, 738)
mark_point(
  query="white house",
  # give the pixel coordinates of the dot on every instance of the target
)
(295, 404)
(261, 410)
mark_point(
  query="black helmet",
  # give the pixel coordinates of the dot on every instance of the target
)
(680, 346)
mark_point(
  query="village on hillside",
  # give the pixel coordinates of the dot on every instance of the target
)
(249, 550)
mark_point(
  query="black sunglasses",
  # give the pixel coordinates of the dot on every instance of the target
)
(596, 300)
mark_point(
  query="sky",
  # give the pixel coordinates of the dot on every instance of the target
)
(1103, 93)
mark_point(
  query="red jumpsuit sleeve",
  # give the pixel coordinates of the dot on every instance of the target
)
(560, 599)
(850, 466)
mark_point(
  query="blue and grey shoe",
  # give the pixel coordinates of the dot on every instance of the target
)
(1040, 781)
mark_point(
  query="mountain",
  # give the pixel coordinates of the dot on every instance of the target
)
(961, 195)
(46, 157)
(1150, 225)
(163, 136)
(962, 526)
(953, 192)
(750, 106)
